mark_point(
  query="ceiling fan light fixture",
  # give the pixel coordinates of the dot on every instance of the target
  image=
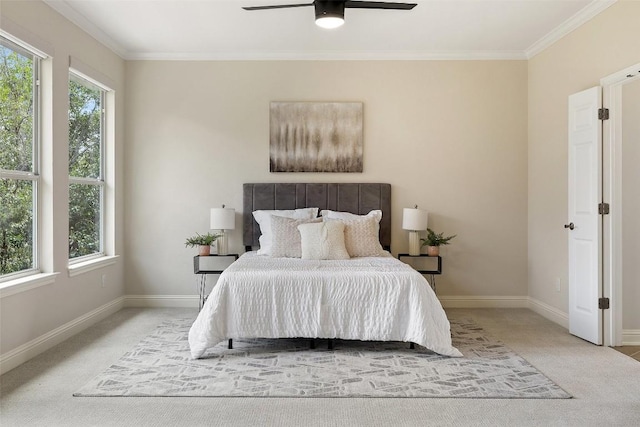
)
(329, 14)
(329, 22)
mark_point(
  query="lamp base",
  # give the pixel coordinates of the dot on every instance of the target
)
(223, 246)
(414, 243)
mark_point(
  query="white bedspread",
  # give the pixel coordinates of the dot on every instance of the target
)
(376, 298)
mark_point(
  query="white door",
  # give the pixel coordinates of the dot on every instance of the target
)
(584, 225)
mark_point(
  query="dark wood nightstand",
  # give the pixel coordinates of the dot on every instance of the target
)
(424, 264)
(210, 264)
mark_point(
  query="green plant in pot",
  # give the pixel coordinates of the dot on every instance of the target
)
(203, 241)
(434, 241)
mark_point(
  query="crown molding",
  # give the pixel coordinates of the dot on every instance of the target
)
(332, 56)
(63, 8)
(580, 18)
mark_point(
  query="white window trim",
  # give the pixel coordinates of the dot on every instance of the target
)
(26, 283)
(85, 265)
(88, 73)
(107, 254)
(23, 176)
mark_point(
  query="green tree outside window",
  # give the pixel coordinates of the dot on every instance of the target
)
(85, 170)
(17, 180)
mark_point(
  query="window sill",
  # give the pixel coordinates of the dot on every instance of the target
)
(26, 283)
(93, 264)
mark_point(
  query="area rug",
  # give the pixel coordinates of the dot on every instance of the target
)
(160, 365)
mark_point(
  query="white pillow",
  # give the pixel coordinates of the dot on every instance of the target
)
(376, 214)
(285, 237)
(362, 236)
(323, 240)
(263, 218)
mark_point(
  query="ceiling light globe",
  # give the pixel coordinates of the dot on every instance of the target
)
(329, 22)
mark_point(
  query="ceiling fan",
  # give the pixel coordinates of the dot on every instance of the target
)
(330, 14)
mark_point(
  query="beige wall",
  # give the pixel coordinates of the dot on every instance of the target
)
(449, 136)
(631, 205)
(602, 46)
(31, 314)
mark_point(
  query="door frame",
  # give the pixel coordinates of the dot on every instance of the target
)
(612, 191)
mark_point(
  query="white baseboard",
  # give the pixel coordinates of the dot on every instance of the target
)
(631, 337)
(455, 301)
(549, 312)
(161, 301)
(543, 309)
(31, 349)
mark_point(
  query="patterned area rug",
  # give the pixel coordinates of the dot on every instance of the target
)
(160, 365)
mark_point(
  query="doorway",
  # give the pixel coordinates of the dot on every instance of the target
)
(621, 229)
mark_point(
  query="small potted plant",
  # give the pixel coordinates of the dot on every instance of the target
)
(434, 241)
(203, 241)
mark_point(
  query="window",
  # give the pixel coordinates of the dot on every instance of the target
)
(86, 168)
(19, 152)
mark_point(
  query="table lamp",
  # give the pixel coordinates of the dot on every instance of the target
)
(223, 219)
(415, 220)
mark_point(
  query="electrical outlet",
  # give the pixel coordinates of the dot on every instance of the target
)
(558, 284)
(104, 280)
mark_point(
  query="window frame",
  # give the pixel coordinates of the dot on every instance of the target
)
(34, 176)
(100, 181)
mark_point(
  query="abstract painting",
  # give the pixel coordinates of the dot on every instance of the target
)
(315, 137)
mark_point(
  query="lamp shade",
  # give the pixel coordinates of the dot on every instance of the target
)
(223, 219)
(414, 219)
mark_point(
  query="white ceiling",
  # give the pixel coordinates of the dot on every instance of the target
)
(221, 29)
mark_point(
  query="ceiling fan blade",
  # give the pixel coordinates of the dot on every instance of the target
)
(379, 5)
(279, 6)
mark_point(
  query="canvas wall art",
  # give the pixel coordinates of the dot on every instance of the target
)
(315, 137)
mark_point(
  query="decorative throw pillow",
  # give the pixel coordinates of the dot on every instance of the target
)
(285, 237)
(362, 236)
(263, 218)
(323, 240)
(375, 214)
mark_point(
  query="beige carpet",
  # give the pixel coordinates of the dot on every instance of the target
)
(604, 383)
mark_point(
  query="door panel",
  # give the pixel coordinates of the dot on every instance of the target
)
(585, 189)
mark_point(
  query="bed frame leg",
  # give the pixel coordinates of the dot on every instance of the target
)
(230, 344)
(330, 345)
(412, 345)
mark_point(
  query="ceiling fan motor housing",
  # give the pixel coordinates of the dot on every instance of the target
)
(329, 9)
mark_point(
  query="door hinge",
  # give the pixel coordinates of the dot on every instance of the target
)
(603, 303)
(603, 208)
(603, 114)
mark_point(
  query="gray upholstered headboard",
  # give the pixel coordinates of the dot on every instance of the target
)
(355, 198)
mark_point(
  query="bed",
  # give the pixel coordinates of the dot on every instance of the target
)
(368, 298)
